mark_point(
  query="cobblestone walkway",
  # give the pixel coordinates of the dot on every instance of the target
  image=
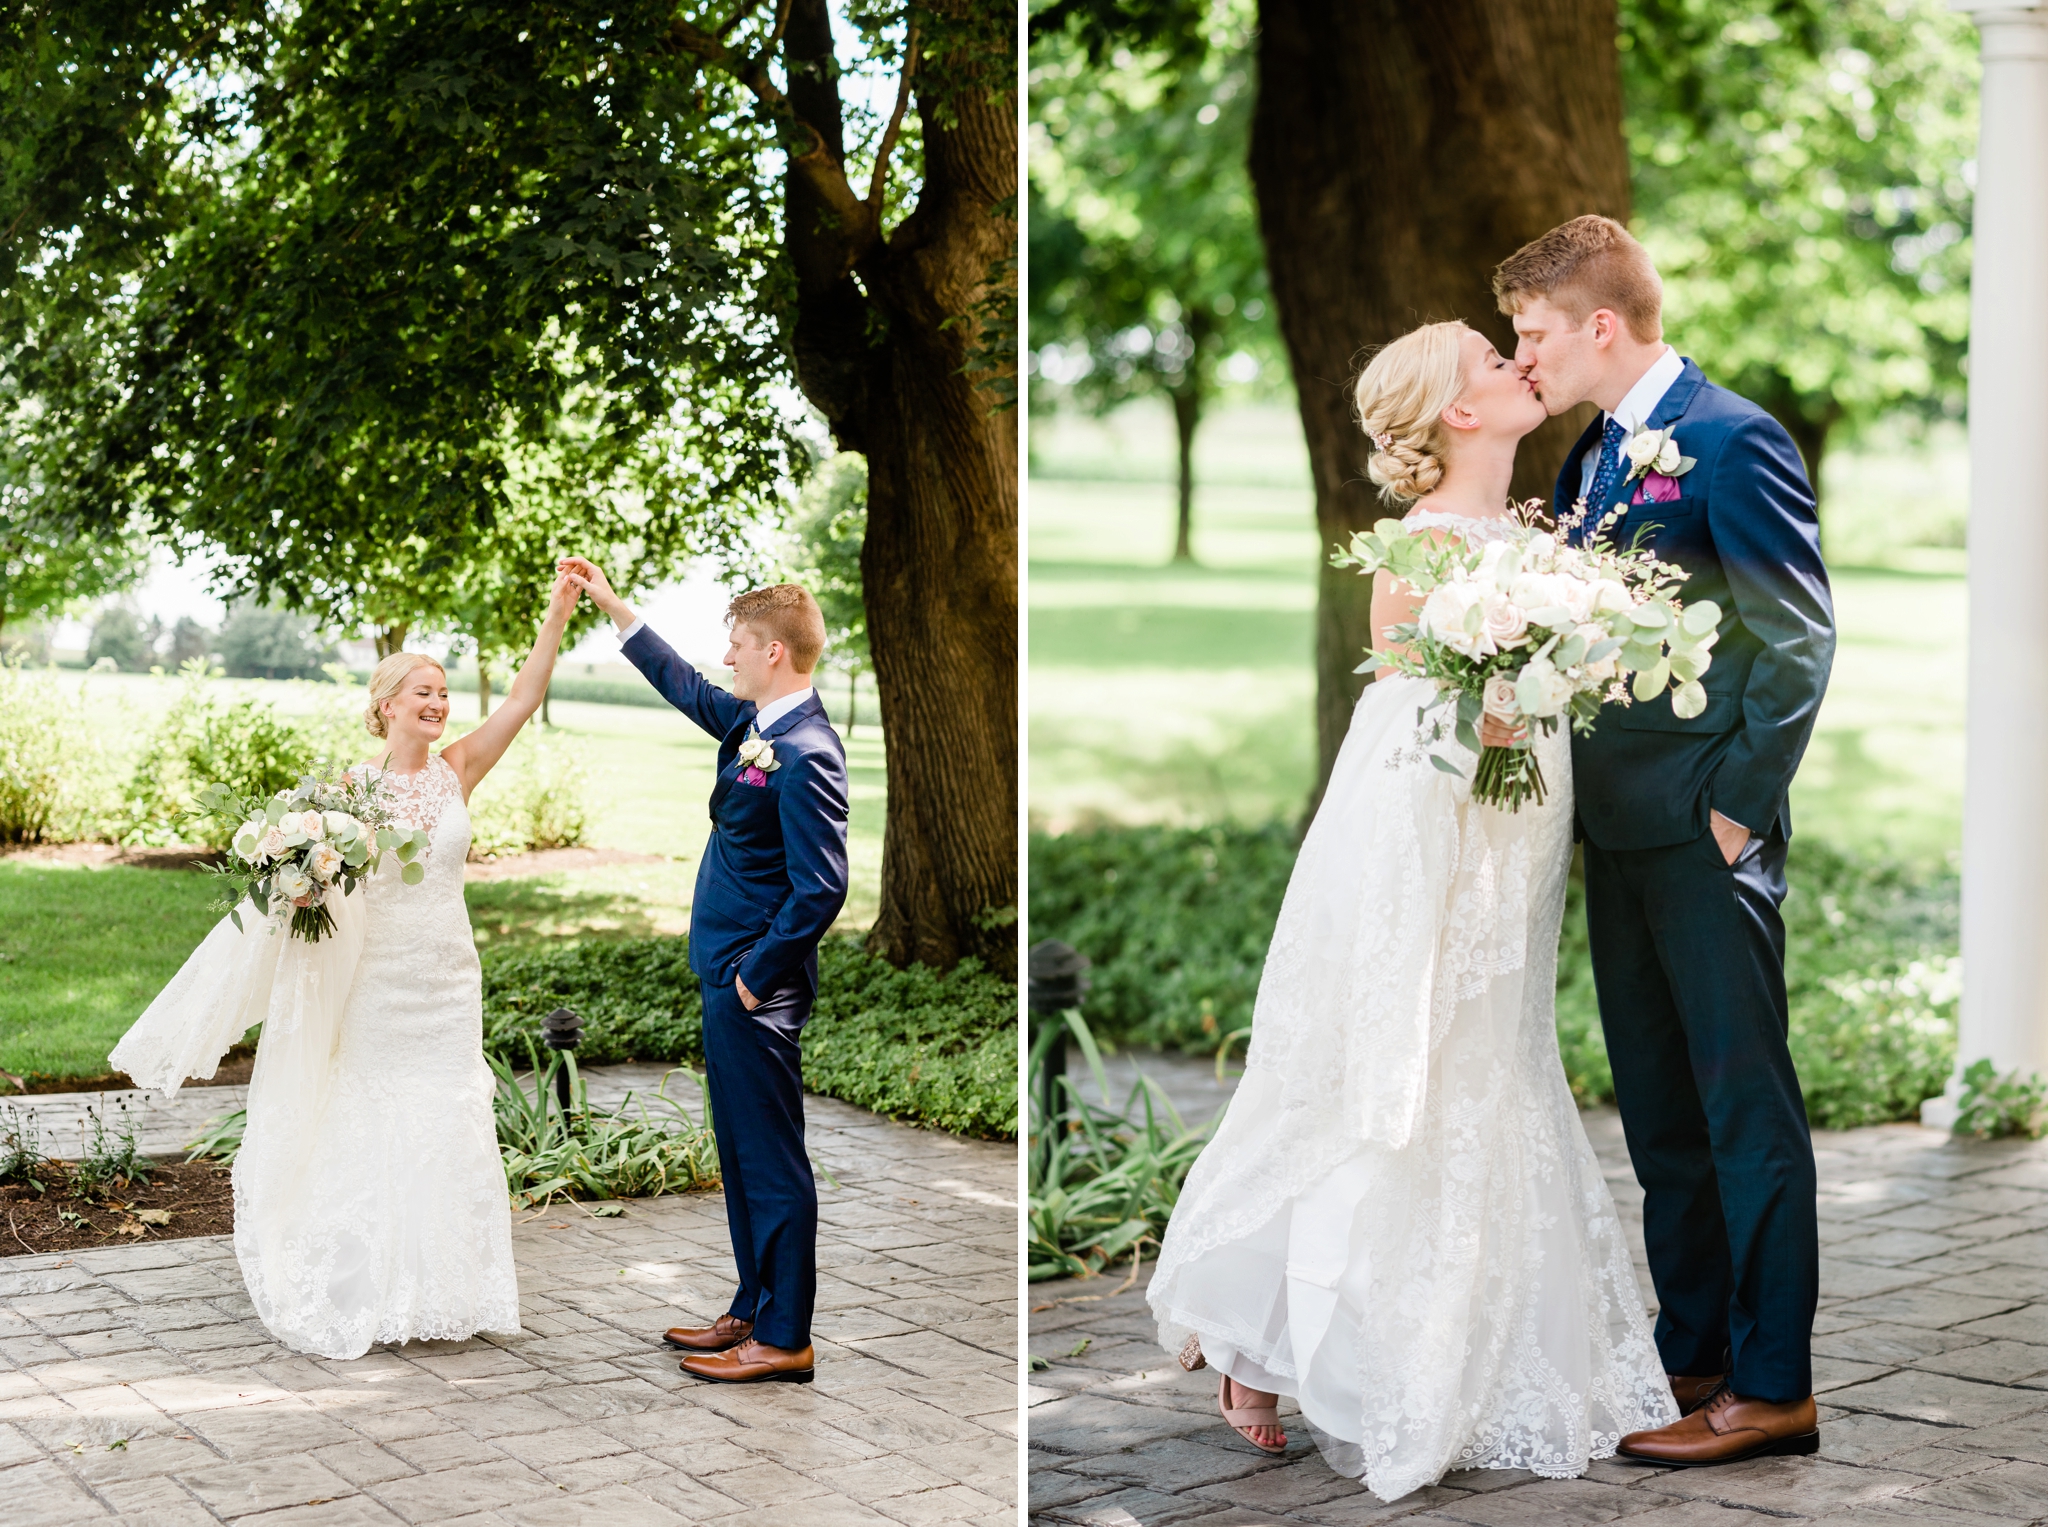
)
(1931, 1353)
(136, 1385)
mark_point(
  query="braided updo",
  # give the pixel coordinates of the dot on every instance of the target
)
(1401, 396)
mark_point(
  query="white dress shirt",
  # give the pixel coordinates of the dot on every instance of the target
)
(775, 710)
(1635, 408)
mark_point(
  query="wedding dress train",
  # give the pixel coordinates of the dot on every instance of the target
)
(370, 1203)
(1400, 1221)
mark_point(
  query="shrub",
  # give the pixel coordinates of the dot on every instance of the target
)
(50, 764)
(938, 1049)
(532, 799)
(202, 740)
(1176, 922)
(1993, 1106)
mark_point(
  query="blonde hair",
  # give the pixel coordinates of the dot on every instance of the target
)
(786, 613)
(388, 680)
(1588, 263)
(1401, 397)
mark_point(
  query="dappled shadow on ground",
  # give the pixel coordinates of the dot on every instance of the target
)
(532, 908)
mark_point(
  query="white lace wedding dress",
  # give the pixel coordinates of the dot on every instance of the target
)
(370, 1204)
(1400, 1221)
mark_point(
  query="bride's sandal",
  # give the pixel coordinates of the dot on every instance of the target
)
(1243, 1419)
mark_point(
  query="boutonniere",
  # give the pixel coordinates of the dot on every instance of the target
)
(757, 759)
(1655, 453)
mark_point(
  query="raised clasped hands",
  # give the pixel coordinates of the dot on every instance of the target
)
(587, 576)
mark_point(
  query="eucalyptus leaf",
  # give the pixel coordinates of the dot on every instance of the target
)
(413, 874)
(1446, 766)
(1700, 619)
(1688, 700)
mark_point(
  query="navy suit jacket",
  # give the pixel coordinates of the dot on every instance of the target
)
(774, 872)
(1745, 528)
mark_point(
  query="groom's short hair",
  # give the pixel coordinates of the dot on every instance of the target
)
(1586, 264)
(786, 613)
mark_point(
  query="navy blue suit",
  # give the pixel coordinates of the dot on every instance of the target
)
(1688, 950)
(772, 881)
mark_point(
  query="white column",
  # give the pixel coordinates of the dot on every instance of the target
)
(2005, 780)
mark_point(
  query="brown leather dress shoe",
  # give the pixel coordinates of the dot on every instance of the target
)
(752, 1362)
(721, 1333)
(1728, 1429)
(1691, 1391)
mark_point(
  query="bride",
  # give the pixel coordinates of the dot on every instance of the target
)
(370, 1202)
(1400, 1222)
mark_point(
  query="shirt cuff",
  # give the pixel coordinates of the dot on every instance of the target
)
(639, 625)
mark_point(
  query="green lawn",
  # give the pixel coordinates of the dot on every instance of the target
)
(1182, 695)
(84, 949)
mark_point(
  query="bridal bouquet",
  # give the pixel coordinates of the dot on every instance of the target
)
(1529, 629)
(303, 847)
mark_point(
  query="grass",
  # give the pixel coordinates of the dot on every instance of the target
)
(82, 952)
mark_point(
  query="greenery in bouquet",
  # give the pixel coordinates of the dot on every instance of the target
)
(292, 854)
(1530, 630)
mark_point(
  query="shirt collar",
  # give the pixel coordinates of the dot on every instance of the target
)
(775, 710)
(1642, 399)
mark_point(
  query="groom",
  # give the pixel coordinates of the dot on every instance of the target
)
(1685, 823)
(772, 880)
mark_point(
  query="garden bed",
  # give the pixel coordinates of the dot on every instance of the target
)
(192, 1198)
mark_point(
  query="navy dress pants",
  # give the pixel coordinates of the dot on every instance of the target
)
(1689, 963)
(753, 1074)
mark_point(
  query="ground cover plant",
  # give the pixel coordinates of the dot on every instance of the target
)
(1176, 921)
(939, 1049)
(108, 1195)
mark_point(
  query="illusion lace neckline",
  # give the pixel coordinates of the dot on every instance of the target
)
(417, 800)
(1464, 524)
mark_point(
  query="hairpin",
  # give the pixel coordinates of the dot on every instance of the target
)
(1384, 440)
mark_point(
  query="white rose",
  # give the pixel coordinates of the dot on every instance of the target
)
(1611, 597)
(1643, 446)
(249, 838)
(1499, 699)
(339, 824)
(1576, 595)
(1505, 624)
(1669, 457)
(1604, 670)
(292, 883)
(1443, 617)
(1490, 563)
(1542, 690)
(1543, 553)
(272, 845)
(325, 863)
(310, 824)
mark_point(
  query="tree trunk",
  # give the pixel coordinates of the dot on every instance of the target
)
(1400, 151)
(852, 698)
(1187, 413)
(483, 691)
(546, 716)
(891, 360)
(391, 639)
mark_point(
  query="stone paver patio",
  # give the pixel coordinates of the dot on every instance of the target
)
(1931, 1352)
(136, 1385)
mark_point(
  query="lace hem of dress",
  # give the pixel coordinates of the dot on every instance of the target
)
(1464, 524)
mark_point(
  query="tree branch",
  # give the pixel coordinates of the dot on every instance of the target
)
(817, 163)
(880, 179)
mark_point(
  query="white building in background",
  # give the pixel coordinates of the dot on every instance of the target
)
(2005, 782)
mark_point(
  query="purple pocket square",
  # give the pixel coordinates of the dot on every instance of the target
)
(752, 776)
(1656, 488)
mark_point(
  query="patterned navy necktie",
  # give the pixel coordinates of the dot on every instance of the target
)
(1605, 481)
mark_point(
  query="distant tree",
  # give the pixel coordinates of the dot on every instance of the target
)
(831, 527)
(123, 638)
(1800, 174)
(260, 642)
(1147, 274)
(188, 640)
